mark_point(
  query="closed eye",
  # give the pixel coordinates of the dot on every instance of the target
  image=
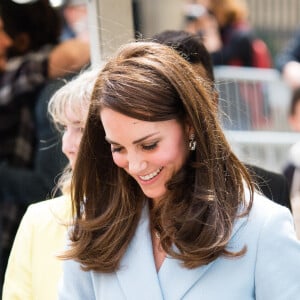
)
(150, 146)
(115, 149)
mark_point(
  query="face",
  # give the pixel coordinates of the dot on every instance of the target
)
(76, 17)
(73, 130)
(151, 152)
(5, 43)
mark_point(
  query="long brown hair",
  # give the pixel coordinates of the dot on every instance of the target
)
(151, 82)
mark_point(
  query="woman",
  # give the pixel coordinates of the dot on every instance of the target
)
(163, 208)
(227, 21)
(33, 269)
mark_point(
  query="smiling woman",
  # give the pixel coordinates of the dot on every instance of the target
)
(162, 207)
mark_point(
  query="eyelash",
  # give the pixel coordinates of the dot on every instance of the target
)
(149, 147)
(144, 147)
(114, 150)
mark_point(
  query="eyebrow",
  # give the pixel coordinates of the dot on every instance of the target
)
(134, 142)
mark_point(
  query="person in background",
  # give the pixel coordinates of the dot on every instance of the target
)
(200, 21)
(288, 61)
(75, 20)
(5, 43)
(292, 168)
(27, 171)
(228, 35)
(191, 47)
(159, 192)
(292, 173)
(21, 21)
(33, 269)
(42, 58)
(227, 21)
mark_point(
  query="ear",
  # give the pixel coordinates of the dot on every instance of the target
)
(189, 129)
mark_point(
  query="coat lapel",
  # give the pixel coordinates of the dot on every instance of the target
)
(176, 281)
(137, 273)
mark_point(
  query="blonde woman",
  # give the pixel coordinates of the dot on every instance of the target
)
(33, 269)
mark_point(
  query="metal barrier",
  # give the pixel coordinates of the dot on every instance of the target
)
(266, 149)
(275, 21)
(252, 99)
(253, 106)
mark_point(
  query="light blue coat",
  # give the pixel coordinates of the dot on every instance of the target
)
(270, 269)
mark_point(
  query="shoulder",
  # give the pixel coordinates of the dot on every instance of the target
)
(56, 208)
(276, 249)
(263, 208)
(267, 220)
(267, 231)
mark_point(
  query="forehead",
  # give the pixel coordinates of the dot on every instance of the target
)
(121, 128)
(71, 115)
(115, 121)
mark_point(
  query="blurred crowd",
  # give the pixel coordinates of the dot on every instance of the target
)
(39, 47)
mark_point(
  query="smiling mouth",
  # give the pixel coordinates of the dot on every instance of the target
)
(151, 175)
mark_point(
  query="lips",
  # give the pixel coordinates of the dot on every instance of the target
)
(151, 175)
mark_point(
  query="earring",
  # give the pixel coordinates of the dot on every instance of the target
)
(192, 142)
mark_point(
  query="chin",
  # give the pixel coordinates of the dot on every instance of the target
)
(72, 164)
(154, 196)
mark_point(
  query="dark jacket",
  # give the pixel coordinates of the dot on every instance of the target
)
(273, 185)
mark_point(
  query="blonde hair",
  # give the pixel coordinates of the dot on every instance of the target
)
(74, 95)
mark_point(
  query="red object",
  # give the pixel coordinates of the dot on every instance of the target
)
(261, 54)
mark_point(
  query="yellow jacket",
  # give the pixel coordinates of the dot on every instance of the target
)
(33, 269)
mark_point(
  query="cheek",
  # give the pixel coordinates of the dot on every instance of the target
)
(64, 144)
(78, 140)
(173, 155)
(175, 152)
(119, 160)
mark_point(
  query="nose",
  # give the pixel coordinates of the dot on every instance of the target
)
(68, 142)
(136, 163)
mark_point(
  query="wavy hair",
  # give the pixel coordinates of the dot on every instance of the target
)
(151, 82)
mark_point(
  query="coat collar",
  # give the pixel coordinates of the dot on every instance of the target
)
(137, 273)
